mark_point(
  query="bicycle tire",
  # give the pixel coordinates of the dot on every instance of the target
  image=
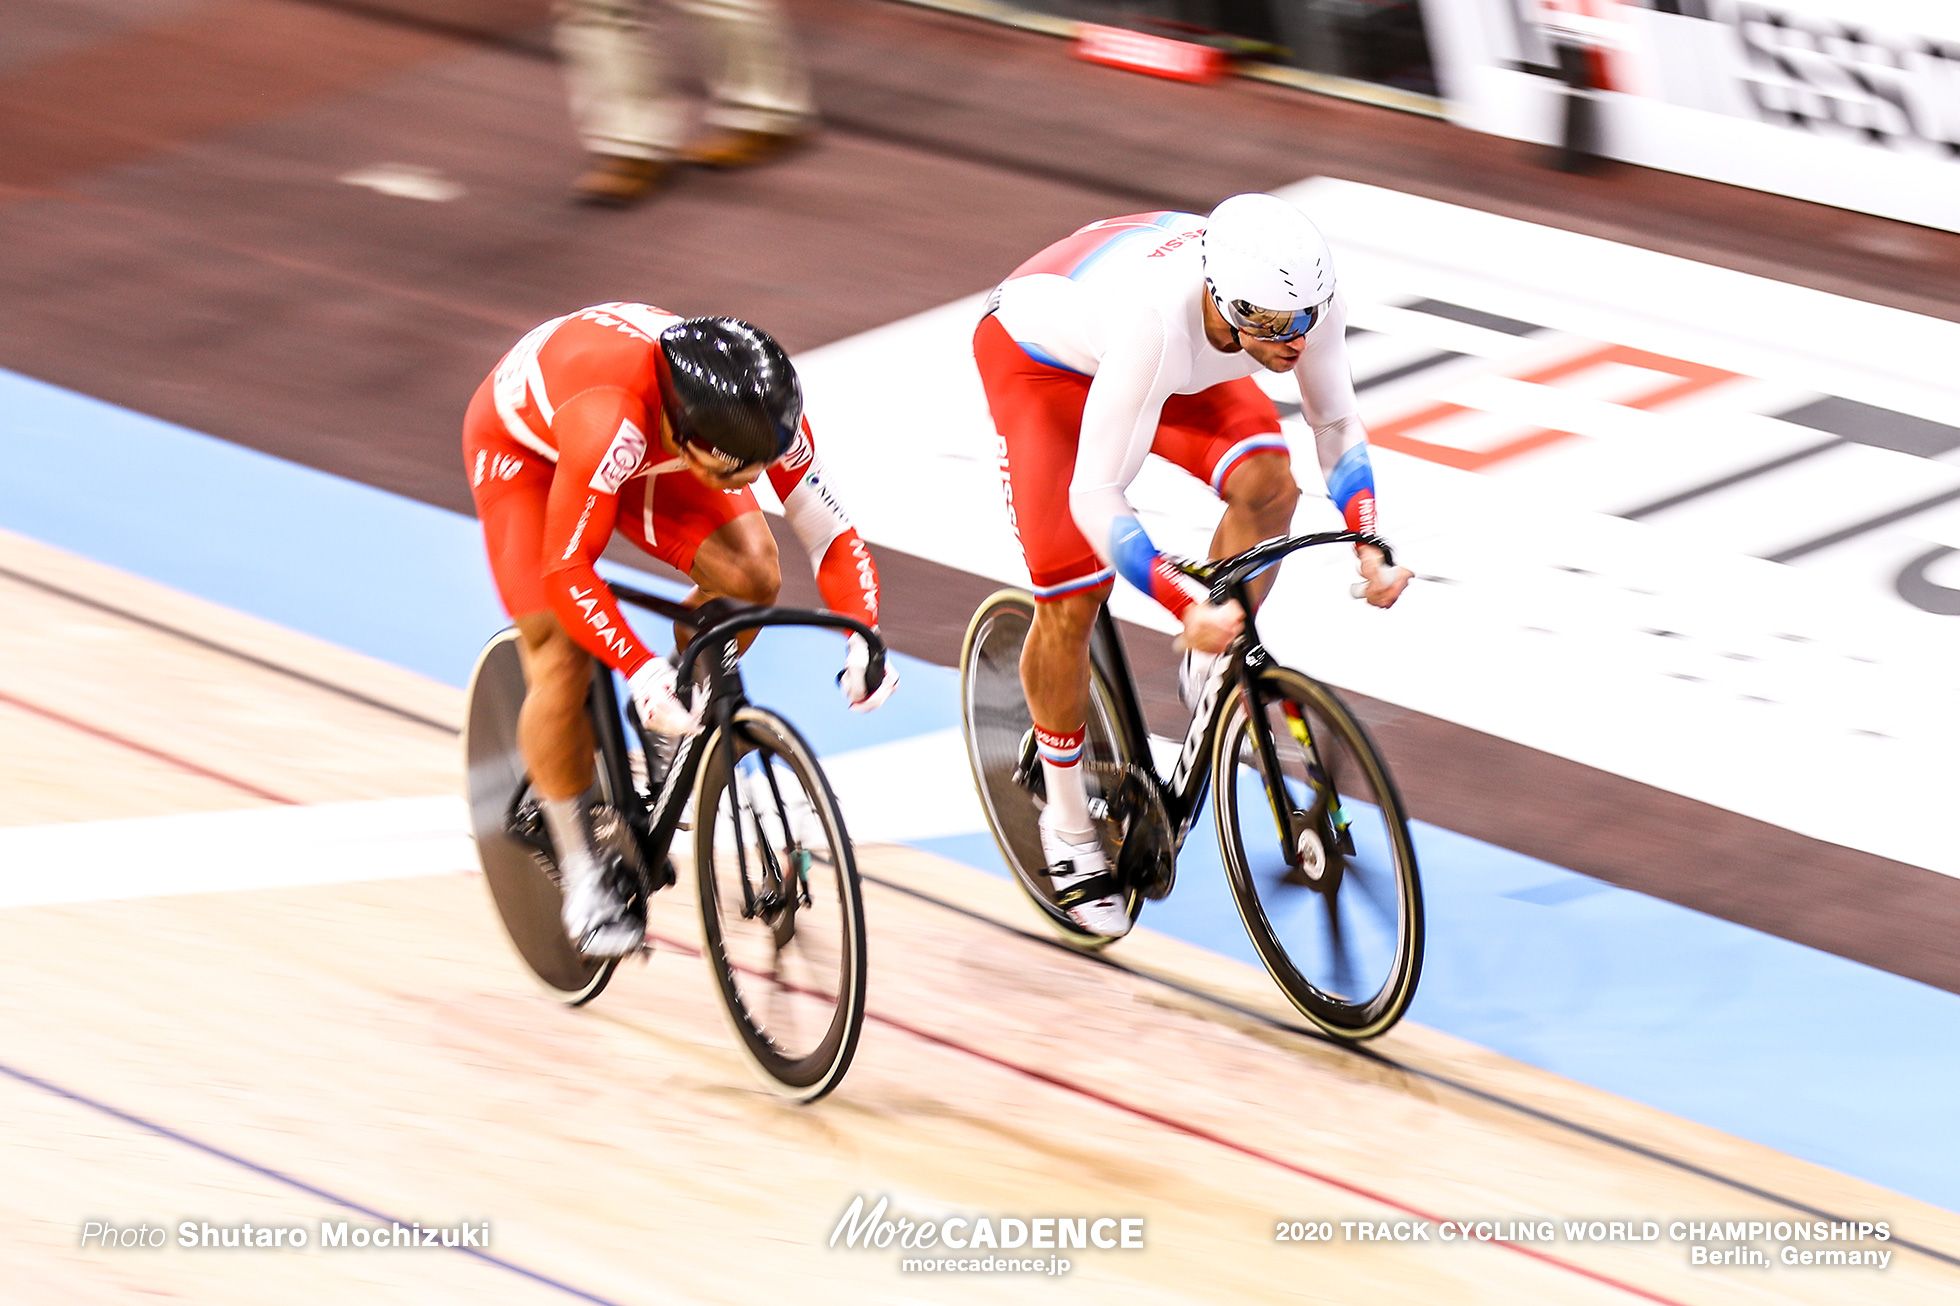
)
(522, 882)
(1342, 803)
(994, 721)
(793, 994)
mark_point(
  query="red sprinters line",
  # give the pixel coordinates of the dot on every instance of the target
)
(182, 764)
(1219, 1140)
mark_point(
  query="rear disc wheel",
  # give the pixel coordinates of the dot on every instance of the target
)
(996, 724)
(516, 857)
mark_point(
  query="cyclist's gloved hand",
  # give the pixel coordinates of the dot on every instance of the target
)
(659, 706)
(1380, 585)
(1211, 628)
(856, 659)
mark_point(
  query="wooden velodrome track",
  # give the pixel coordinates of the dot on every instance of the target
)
(370, 1051)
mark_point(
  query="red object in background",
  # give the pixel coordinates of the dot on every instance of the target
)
(1119, 47)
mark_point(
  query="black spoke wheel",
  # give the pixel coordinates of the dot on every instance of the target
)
(510, 842)
(781, 912)
(995, 721)
(1333, 904)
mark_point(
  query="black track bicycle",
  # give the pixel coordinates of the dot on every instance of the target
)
(1315, 840)
(782, 917)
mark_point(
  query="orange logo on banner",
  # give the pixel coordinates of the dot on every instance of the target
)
(1689, 378)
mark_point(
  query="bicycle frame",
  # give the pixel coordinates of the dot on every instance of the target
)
(1184, 792)
(717, 623)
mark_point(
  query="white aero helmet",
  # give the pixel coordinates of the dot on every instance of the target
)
(1267, 268)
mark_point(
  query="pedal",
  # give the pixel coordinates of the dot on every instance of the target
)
(526, 825)
(1028, 772)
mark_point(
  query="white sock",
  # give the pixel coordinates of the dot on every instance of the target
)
(1068, 797)
(1061, 768)
(565, 818)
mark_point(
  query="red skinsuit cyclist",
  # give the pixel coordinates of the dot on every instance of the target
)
(625, 417)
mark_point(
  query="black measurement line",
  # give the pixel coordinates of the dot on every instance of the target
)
(1733, 478)
(1870, 524)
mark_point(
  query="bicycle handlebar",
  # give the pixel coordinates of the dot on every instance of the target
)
(726, 618)
(1225, 574)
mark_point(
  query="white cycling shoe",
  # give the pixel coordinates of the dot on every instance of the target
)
(598, 919)
(1077, 866)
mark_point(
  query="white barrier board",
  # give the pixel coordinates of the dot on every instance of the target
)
(1854, 103)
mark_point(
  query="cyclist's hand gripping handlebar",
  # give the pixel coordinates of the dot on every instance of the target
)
(865, 679)
(1224, 575)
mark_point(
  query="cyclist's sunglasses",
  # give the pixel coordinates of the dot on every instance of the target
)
(1277, 325)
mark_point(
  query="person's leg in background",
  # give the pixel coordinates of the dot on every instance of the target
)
(759, 102)
(615, 78)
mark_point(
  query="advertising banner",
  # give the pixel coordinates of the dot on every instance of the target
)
(1854, 103)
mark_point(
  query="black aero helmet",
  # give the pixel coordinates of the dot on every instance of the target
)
(729, 386)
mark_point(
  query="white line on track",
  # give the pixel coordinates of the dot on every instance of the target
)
(262, 848)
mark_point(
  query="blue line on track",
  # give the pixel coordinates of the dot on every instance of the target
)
(312, 1190)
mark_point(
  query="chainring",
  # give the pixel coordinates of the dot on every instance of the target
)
(1146, 849)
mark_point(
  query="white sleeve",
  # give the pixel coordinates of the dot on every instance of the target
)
(1327, 398)
(1119, 421)
(814, 511)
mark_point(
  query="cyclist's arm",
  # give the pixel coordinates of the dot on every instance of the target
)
(846, 575)
(602, 440)
(1126, 400)
(1327, 402)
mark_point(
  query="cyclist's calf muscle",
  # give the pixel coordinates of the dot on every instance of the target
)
(552, 731)
(1055, 659)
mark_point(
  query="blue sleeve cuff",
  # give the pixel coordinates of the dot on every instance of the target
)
(1131, 552)
(1351, 475)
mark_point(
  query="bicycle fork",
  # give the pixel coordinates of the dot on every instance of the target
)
(1304, 845)
(770, 894)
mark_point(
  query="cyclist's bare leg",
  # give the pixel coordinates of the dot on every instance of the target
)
(1055, 677)
(1260, 496)
(738, 561)
(552, 731)
(1055, 660)
(555, 737)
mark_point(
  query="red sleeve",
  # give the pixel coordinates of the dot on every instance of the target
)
(601, 441)
(848, 579)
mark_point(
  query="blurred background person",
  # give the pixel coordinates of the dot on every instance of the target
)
(633, 124)
(1579, 32)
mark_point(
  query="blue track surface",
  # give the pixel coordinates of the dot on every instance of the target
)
(1809, 1053)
